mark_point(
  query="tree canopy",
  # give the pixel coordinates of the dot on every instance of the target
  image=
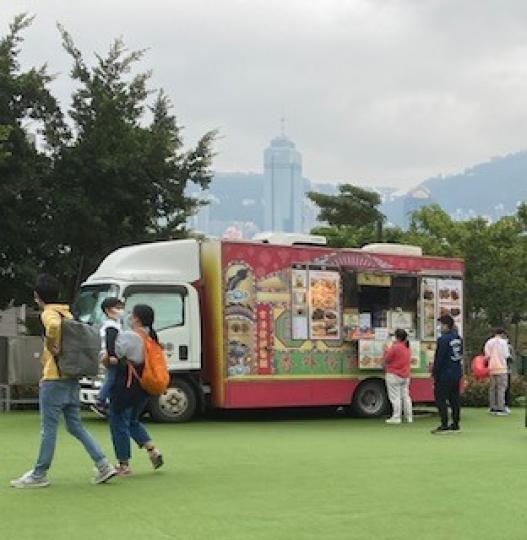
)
(495, 256)
(352, 206)
(25, 171)
(353, 217)
(76, 184)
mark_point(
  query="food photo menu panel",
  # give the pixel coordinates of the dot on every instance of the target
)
(299, 303)
(371, 353)
(450, 294)
(429, 312)
(324, 304)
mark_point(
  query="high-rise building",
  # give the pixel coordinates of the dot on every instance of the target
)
(283, 187)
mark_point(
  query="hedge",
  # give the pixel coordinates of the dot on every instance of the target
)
(476, 393)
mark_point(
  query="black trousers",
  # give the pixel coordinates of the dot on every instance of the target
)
(508, 391)
(446, 391)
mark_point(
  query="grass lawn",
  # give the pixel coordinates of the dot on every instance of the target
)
(279, 477)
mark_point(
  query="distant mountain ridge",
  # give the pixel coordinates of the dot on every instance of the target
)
(492, 189)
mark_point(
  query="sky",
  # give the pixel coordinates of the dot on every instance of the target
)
(376, 92)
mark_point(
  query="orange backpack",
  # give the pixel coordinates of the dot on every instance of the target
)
(155, 378)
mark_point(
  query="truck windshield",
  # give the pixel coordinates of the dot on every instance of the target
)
(167, 302)
(87, 307)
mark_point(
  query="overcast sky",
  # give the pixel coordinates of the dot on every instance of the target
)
(382, 91)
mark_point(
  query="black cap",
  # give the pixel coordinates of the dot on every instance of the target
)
(447, 319)
(111, 302)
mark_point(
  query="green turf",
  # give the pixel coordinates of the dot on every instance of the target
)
(329, 478)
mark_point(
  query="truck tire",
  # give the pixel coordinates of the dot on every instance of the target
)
(370, 399)
(178, 404)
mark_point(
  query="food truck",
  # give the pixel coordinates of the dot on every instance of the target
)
(281, 321)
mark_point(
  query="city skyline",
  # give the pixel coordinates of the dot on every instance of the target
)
(242, 202)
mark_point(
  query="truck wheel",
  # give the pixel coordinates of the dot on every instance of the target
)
(370, 400)
(178, 404)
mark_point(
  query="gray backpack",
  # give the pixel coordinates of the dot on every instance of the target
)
(79, 350)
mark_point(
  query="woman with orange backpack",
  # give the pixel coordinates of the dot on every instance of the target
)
(142, 372)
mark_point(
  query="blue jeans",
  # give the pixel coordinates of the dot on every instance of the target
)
(125, 424)
(61, 398)
(107, 385)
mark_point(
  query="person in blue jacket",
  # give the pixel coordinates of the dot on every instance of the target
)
(447, 373)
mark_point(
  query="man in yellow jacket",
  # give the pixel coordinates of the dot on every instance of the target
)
(58, 395)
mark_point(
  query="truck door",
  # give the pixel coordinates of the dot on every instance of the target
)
(173, 308)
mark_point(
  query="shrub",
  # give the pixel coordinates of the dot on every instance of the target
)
(476, 392)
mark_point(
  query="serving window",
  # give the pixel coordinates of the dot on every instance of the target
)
(375, 305)
(365, 308)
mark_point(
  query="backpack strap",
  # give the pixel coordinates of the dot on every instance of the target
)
(142, 334)
(131, 373)
(55, 356)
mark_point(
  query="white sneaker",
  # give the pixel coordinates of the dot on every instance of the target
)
(393, 421)
(156, 458)
(507, 410)
(409, 420)
(27, 480)
(104, 473)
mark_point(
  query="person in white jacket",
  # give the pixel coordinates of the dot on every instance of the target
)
(497, 352)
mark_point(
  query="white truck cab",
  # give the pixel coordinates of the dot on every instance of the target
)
(162, 276)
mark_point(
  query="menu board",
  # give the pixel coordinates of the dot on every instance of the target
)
(450, 295)
(324, 304)
(401, 319)
(374, 280)
(429, 312)
(382, 334)
(371, 354)
(365, 325)
(415, 351)
(299, 282)
(357, 325)
(429, 350)
(350, 324)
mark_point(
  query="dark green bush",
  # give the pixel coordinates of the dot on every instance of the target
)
(476, 392)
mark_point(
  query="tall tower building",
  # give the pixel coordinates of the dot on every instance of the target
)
(283, 186)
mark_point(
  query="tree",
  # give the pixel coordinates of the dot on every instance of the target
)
(73, 191)
(4, 133)
(495, 256)
(522, 217)
(353, 216)
(119, 181)
(173, 170)
(25, 171)
(351, 207)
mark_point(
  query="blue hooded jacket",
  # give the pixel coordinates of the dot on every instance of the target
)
(448, 360)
